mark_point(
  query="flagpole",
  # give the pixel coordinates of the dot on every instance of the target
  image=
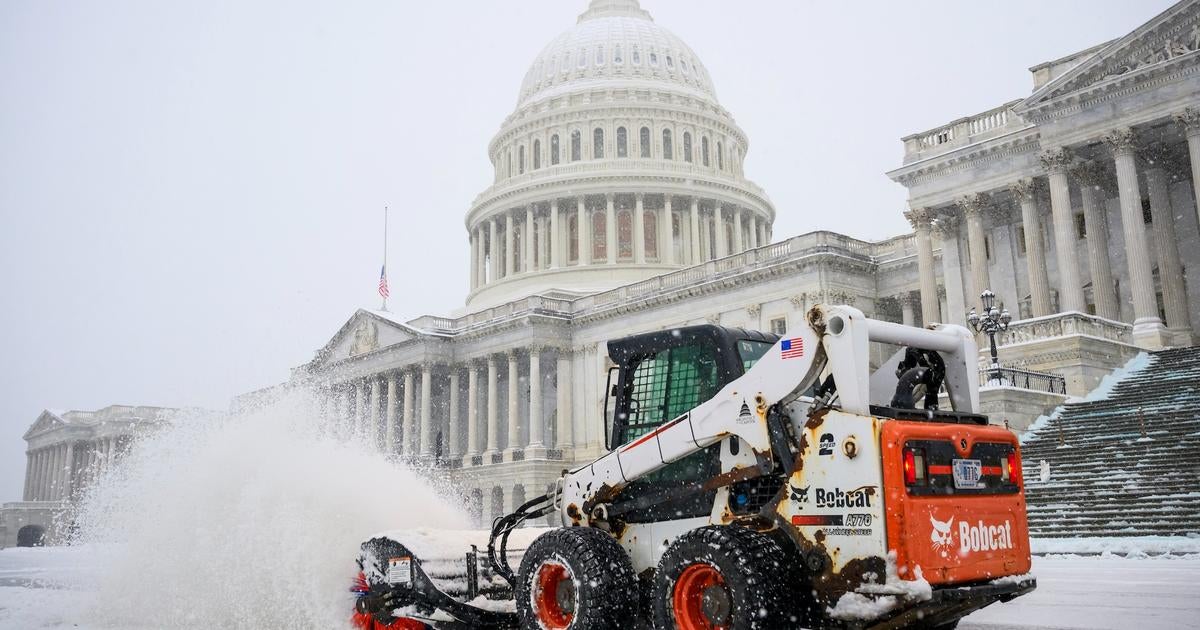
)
(385, 244)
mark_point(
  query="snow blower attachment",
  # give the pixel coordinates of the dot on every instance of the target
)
(756, 482)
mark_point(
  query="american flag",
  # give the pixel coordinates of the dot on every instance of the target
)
(792, 348)
(383, 288)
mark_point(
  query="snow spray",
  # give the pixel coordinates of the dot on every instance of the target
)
(250, 520)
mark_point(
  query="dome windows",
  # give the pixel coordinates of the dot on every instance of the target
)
(703, 150)
(582, 58)
(653, 59)
(598, 143)
(670, 63)
(576, 146)
(600, 55)
(537, 155)
(554, 150)
(521, 160)
(644, 141)
(720, 158)
(622, 142)
(637, 56)
(617, 55)
(668, 150)
(687, 146)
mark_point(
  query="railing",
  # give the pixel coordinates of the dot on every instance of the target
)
(963, 131)
(1025, 379)
(1067, 324)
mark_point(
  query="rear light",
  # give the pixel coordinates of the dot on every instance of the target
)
(914, 465)
(1012, 468)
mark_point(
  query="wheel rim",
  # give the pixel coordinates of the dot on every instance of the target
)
(701, 601)
(554, 596)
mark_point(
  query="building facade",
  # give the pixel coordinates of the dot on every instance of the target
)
(620, 206)
(67, 451)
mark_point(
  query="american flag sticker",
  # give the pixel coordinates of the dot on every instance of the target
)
(792, 348)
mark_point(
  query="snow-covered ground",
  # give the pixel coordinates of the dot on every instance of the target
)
(51, 588)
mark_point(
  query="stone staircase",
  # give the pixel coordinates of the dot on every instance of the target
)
(1124, 465)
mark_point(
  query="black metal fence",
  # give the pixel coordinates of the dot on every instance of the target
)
(1025, 379)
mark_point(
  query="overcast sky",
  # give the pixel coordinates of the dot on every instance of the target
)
(191, 192)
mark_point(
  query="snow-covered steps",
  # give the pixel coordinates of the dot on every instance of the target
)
(1125, 461)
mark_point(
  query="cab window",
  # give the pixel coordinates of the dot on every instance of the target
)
(750, 351)
(668, 384)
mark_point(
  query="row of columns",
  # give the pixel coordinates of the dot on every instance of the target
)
(416, 433)
(56, 472)
(545, 238)
(1092, 178)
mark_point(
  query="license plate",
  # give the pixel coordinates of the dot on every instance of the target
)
(968, 474)
(399, 571)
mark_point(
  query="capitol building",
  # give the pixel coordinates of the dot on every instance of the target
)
(619, 204)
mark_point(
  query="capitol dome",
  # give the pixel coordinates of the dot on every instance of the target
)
(618, 164)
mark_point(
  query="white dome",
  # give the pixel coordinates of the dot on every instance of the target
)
(616, 42)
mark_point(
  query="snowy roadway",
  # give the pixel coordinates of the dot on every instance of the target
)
(1073, 592)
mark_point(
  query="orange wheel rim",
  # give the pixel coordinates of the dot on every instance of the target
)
(701, 600)
(554, 596)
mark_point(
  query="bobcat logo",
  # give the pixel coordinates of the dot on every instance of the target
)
(941, 536)
(800, 495)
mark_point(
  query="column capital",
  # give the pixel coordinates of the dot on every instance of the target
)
(753, 310)
(947, 224)
(1122, 141)
(609, 197)
(920, 218)
(1025, 189)
(974, 204)
(1189, 119)
(1056, 159)
(639, 196)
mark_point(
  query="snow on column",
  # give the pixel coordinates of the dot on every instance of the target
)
(510, 252)
(426, 409)
(493, 409)
(610, 229)
(922, 222)
(389, 432)
(563, 386)
(452, 449)
(639, 229)
(1170, 272)
(667, 233)
(555, 241)
(527, 239)
(409, 419)
(373, 427)
(1070, 289)
(739, 243)
(1148, 329)
(493, 258)
(1189, 119)
(1093, 180)
(974, 206)
(535, 397)
(584, 233)
(718, 227)
(472, 409)
(514, 427)
(1026, 191)
(947, 225)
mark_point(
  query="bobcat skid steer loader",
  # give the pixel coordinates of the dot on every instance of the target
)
(755, 482)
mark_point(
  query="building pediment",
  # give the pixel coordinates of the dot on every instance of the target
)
(47, 421)
(364, 333)
(1170, 39)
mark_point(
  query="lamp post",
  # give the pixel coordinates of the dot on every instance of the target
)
(991, 322)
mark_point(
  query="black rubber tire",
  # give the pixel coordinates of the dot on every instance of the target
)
(751, 565)
(606, 596)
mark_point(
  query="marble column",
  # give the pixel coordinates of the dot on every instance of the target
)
(28, 476)
(514, 426)
(527, 239)
(426, 410)
(472, 409)
(610, 228)
(974, 207)
(907, 317)
(360, 410)
(584, 232)
(639, 229)
(481, 260)
(493, 409)
(510, 252)
(1148, 329)
(536, 430)
(43, 466)
(694, 228)
(493, 255)
(666, 233)
(373, 427)
(389, 431)
(555, 241)
(452, 450)
(719, 236)
(1070, 289)
(1026, 191)
(1093, 181)
(562, 377)
(754, 244)
(947, 225)
(1189, 119)
(410, 419)
(1170, 271)
(922, 222)
(739, 243)
(474, 254)
(69, 471)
